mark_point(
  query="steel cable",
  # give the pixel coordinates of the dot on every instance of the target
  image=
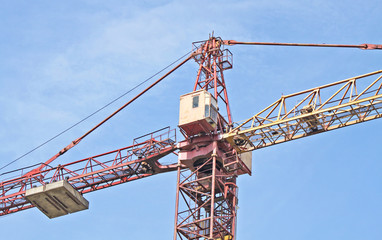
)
(95, 112)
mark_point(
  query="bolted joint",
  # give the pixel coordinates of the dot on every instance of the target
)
(372, 46)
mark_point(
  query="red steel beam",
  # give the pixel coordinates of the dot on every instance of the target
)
(365, 46)
(75, 142)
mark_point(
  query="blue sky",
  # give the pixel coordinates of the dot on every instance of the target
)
(61, 61)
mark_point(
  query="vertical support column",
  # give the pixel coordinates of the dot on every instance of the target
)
(177, 202)
(213, 187)
(206, 202)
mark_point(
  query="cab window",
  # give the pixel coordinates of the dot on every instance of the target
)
(195, 101)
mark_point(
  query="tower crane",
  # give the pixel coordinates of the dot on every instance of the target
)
(214, 150)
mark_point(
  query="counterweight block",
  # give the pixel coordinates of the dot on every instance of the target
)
(57, 199)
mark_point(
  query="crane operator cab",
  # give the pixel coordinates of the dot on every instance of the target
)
(198, 113)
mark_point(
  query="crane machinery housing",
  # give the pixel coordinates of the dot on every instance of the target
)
(214, 150)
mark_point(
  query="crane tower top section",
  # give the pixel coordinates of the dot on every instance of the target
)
(213, 59)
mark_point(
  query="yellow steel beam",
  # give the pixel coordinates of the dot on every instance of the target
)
(333, 113)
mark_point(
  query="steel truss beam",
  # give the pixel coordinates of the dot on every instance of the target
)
(90, 174)
(320, 109)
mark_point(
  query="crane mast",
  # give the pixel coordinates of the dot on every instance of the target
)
(214, 152)
(206, 200)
